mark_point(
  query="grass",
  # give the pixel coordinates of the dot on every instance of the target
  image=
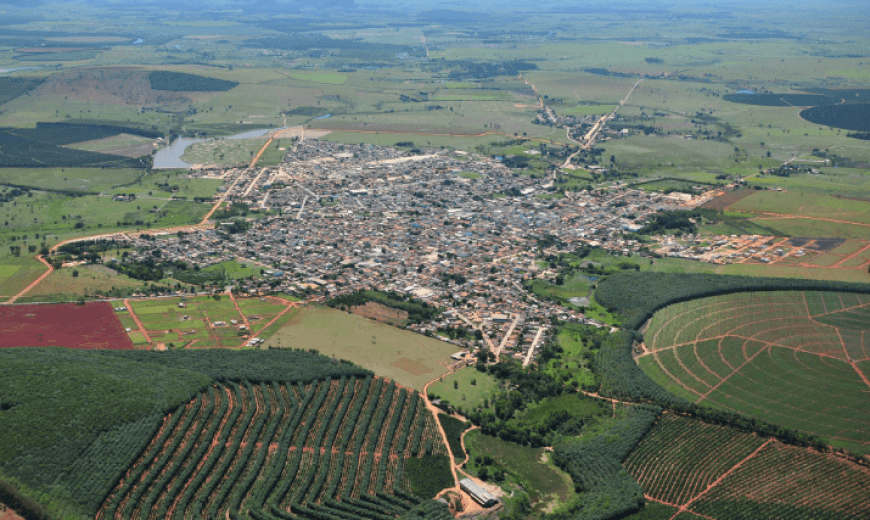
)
(529, 468)
(408, 358)
(92, 180)
(466, 395)
(576, 287)
(806, 205)
(16, 273)
(92, 279)
(330, 78)
(111, 143)
(164, 320)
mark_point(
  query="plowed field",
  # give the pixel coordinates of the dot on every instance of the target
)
(92, 325)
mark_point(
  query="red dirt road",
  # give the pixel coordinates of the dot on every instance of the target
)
(89, 326)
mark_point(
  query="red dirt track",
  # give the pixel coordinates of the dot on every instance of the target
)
(89, 326)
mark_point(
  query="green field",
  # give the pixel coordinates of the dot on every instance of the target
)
(458, 390)
(783, 357)
(806, 205)
(410, 359)
(89, 280)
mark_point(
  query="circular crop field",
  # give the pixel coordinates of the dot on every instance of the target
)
(798, 359)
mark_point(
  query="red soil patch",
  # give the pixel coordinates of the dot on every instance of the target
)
(382, 313)
(91, 326)
(8, 514)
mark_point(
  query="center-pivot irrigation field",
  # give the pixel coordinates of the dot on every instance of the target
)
(722, 473)
(799, 359)
(330, 450)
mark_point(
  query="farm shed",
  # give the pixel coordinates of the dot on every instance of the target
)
(480, 495)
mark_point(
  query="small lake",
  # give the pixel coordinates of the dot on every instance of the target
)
(745, 91)
(170, 157)
(139, 41)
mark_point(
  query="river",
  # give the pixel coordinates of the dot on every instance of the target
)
(170, 156)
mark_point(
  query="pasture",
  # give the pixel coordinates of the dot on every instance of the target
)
(790, 358)
(408, 358)
(466, 388)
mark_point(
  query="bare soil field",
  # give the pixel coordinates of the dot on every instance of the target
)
(376, 311)
(722, 202)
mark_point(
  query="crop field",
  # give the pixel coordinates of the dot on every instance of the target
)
(88, 326)
(16, 273)
(722, 473)
(410, 359)
(204, 321)
(791, 358)
(335, 447)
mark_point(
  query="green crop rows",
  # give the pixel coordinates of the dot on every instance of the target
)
(785, 357)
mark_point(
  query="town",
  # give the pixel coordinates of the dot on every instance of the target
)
(453, 229)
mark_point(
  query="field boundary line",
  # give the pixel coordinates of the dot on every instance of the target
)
(861, 375)
(685, 507)
(844, 309)
(674, 379)
(676, 506)
(34, 283)
(138, 322)
(736, 370)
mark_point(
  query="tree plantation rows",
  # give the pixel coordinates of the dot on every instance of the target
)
(723, 473)
(332, 449)
(637, 295)
(76, 420)
(607, 490)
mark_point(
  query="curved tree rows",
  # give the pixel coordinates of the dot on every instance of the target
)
(330, 450)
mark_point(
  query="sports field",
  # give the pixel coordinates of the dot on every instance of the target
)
(410, 359)
(798, 359)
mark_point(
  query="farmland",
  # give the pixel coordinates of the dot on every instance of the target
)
(408, 358)
(341, 445)
(722, 473)
(89, 326)
(201, 321)
(791, 358)
(71, 437)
